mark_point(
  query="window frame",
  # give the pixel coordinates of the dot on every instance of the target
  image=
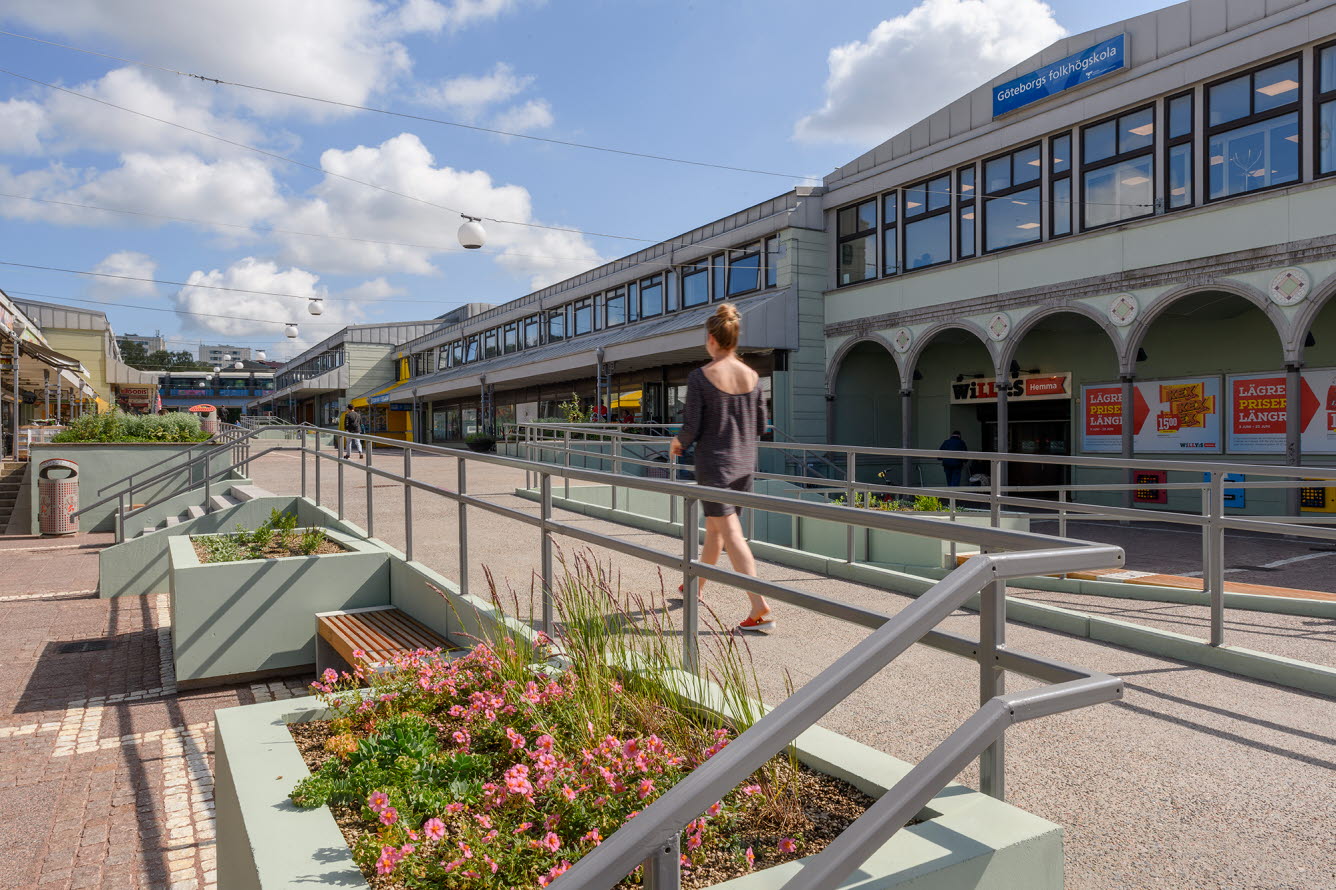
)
(906, 220)
(557, 314)
(735, 258)
(1171, 142)
(893, 228)
(661, 282)
(981, 187)
(491, 343)
(1055, 177)
(963, 204)
(587, 305)
(1118, 157)
(616, 296)
(841, 240)
(1320, 99)
(689, 273)
(770, 264)
(510, 338)
(536, 321)
(1254, 117)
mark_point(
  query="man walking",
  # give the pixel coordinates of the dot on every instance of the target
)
(352, 423)
(953, 465)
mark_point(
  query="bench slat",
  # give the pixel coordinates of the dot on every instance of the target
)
(381, 633)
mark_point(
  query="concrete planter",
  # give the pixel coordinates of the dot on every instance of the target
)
(101, 464)
(254, 617)
(266, 843)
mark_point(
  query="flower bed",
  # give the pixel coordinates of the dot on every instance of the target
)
(494, 770)
(275, 538)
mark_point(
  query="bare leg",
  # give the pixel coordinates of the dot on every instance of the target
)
(709, 552)
(728, 531)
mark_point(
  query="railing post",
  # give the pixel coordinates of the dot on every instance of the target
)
(994, 492)
(120, 521)
(545, 484)
(690, 593)
(992, 682)
(408, 504)
(303, 463)
(663, 869)
(672, 498)
(616, 469)
(316, 461)
(462, 487)
(850, 477)
(1062, 513)
(208, 483)
(370, 492)
(1215, 558)
(567, 463)
(340, 445)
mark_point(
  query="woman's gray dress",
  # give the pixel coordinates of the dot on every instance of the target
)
(724, 427)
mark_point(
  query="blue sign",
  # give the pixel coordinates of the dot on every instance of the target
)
(1234, 497)
(1098, 60)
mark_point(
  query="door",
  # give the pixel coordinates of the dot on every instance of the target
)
(652, 404)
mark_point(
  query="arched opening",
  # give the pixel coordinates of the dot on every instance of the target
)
(953, 390)
(1318, 441)
(1183, 360)
(866, 409)
(1050, 363)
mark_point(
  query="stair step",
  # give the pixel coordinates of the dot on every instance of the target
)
(249, 492)
(222, 502)
(170, 521)
(194, 512)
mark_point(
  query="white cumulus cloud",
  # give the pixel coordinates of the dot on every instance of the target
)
(913, 64)
(131, 267)
(260, 316)
(405, 165)
(22, 125)
(471, 94)
(535, 114)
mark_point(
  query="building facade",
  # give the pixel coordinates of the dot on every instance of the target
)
(1138, 216)
(153, 344)
(217, 354)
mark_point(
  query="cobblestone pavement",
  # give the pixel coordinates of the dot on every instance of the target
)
(106, 770)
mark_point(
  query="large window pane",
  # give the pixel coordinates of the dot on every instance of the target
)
(1026, 166)
(531, 335)
(633, 302)
(1229, 100)
(1062, 154)
(773, 254)
(1062, 206)
(651, 297)
(928, 241)
(997, 174)
(1276, 86)
(966, 183)
(1099, 142)
(1120, 191)
(890, 251)
(966, 231)
(916, 201)
(744, 273)
(1326, 77)
(1011, 220)
(556, 325)
(939, 193)
(584, 317)
(1180, 175)
(1180, 116)
(695, 288)
(1254, 156)
(616, 308)
(1326, 146)
(888, 209)
(859, 218)
(857, 260)
(1136, 130)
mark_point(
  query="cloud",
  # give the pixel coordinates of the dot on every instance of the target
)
(405, 165)
(372, 291)
(260, 316)
(535, 114)
(130, 264)
(22, 125)
(338, 49)
(471, 95)
(913, 64)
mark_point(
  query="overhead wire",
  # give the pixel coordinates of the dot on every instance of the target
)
(403, 114)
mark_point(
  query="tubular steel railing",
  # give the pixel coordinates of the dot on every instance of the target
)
(651, 838)
(539, 440)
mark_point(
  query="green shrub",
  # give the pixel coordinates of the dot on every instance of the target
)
(312, 538)
(117, 426)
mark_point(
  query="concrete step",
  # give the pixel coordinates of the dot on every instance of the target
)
(244, 493)
(192, 513)
(222, 502)
(170, 521)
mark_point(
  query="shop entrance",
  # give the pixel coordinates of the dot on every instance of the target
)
(1033, 428)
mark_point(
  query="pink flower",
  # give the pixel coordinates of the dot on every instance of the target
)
(552, 821)
(715, 808)
(551, 842)
(330, 675)
(788, 845)
(434, 828)
(389, 816)
(359, 654)
(749, 790)
(378, 800)
(568, 792)
(645, 788)
(454, 807)
(592, 836)
(544, 742)
(751, 858)
(523, 827)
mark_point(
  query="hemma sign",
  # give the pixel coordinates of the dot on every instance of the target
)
(1078, 68)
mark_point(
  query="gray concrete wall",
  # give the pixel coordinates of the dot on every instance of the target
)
(100, 464)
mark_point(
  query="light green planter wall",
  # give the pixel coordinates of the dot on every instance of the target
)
(100, 465)
(239, 618)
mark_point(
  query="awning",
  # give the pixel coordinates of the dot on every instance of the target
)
(51, 357)
(627, 400)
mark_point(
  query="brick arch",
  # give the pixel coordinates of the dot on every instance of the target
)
(924, 340)
(1031, 321)
(1280, 324)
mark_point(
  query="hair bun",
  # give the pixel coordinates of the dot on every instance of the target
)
(727, 312)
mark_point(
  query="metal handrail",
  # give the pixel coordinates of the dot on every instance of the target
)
(175, 456)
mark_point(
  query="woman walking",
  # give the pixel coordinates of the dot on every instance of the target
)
(725, 415)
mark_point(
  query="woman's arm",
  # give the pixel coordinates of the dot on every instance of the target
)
(762, 421)
(691, 416)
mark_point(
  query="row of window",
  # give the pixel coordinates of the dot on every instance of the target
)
(1252, 141)
(312, 367)
(742, 271)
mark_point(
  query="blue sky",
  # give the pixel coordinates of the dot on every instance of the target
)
(792, 87)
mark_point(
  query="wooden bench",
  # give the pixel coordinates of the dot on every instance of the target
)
(382, 632)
